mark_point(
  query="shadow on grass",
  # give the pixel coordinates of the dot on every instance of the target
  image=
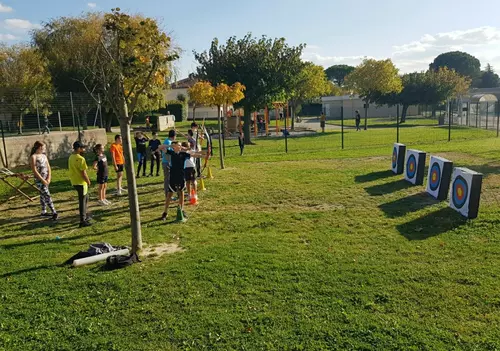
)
(373, 176)
(28, 270)
(387, 188)
(432, 224)
(401, 207)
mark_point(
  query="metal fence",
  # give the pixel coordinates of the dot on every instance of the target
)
(28, 113)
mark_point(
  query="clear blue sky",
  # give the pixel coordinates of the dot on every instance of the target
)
(412, 33)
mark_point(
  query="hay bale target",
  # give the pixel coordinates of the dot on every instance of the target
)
(439, 177)
(398, 158)
(415, 167)
(465, 191)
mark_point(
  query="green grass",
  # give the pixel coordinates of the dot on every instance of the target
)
(317, 249)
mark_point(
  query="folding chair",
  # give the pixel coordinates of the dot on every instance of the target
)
(6, 173)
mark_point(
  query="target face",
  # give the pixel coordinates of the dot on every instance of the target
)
(435, 177)
(459, 192)
(411, 167)
(394, 158)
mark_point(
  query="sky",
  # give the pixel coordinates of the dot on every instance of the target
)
(411, 33)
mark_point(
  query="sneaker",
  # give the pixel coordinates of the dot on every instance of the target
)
(45, 214)
(85, 224)
(150, 175)
(164, 216)
(138, 176)
(107, 202)
(55, 216)
(123, 190)
(174, 198)
(102, 203)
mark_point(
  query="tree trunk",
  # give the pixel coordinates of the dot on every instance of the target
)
(293, 114)
(194, 113)
(133, 200)
(246, 125)
(403, 113)
(434, 109)
(221, 155)
(108, 120)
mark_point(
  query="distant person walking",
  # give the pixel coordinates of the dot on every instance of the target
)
(322, 122)
(358, 121)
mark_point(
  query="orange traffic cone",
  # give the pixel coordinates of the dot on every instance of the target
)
(193, 197)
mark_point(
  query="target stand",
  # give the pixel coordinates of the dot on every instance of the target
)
(415, 167)
(439, 177)
(398, 158)
(466, 192)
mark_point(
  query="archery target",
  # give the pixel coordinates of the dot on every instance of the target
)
(398, 158)
(439, 176)
(466, 192)
(415, 164)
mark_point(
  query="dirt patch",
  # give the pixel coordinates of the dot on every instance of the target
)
(161, 249)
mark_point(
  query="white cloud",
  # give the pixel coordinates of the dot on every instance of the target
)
(92, 5)
(4, 8)
(19, 24)
(7, 37)
(481, 42)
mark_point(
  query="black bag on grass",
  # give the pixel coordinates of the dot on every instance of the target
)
(120, 261)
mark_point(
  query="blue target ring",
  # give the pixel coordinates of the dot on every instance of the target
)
(435, 177)
(395, 157)
(411, 167)
(460, 192)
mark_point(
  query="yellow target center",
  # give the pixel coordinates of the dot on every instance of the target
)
(434, 177)
(459, 192)
(412, 167)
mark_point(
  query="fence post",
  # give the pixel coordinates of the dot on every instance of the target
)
(286, 132)
(37, 113)
(4, 147)
(487, 113)
(467, 120)
(397, 124)
(498, 118)
(59, 117)
(450, 111)
(342, 124)
(73, 112)
(366, 115)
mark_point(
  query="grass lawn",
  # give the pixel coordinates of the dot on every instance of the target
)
(317, 249)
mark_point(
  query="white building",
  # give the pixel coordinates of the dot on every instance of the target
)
(332, 106)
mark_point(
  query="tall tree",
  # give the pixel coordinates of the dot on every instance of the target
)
(337, 73)
(311, 83)
(265, 66)
(129, 60)
(489, 79)
(24, 81)
(462, 62)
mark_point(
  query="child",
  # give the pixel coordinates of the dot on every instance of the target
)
(189, 170)
(80, 181)
(140, 143)
(322, 122)
(154, 145)
(116, 150)
(101, 166)
(241, 142)
(177, 182)
(358, 121)
(43, 174)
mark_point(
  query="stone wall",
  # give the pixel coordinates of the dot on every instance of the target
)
(59, 145)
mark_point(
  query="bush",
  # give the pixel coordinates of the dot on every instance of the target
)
(177, 108)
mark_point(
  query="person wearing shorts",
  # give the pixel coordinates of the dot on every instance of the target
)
(101, 166)
(189, 170)
(177, 181)
(165, 164)
(116, 150)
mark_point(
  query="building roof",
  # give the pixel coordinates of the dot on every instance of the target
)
(184, 83)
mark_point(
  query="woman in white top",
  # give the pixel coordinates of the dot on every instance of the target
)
(41, 169)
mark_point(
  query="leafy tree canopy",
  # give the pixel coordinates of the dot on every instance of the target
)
(337, 73)
(462, 62)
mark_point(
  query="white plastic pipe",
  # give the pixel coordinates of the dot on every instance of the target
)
(101, 257)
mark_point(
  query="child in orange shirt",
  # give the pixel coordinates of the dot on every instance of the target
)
(116, 150)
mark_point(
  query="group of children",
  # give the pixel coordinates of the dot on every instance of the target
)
(179, 168)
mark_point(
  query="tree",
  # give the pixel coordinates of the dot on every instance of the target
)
(337, 73)
(430, 88)
(25, 81)
(373, 78)
(128, 59)
(201, 93)
(265, 66)
(489, 79)
(311, 83)
(462, 62)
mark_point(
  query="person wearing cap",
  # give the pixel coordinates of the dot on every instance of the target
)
(80, 180)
